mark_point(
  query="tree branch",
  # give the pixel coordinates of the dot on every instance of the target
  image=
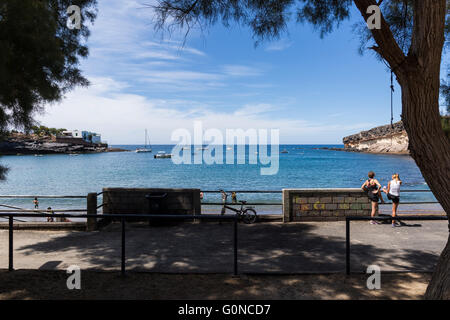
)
(387, 47)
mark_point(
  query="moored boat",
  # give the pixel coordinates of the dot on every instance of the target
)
(162, 155)
(146, 148)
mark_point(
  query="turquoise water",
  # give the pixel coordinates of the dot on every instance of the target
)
(303, 167)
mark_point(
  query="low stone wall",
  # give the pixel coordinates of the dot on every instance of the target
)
(133, 201)
(324, 204)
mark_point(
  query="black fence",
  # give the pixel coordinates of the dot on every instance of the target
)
(388, 218)
(123, 218)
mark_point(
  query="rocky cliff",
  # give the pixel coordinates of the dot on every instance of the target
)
(383, 139)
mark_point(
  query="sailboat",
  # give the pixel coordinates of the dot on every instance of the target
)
(146, 148)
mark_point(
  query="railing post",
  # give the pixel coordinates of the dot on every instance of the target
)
(347, 246)
(235, 223)
(123, 248)
(91, 223)
(11, 245)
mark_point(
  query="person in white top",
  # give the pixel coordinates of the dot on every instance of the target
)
(393, 193)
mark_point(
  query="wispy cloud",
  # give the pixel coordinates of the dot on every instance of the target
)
(120, 117)
(241, 71)
(142, 81)
(279, 45)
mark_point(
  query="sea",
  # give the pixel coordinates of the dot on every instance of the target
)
(303, 166)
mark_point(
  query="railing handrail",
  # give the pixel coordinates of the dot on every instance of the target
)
(234, 217)
(280, 191)
(123, 218)
(42, 197)
(281, 203)
(204, 191)
(41, 210)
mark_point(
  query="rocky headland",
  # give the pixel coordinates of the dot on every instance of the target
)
(31, 144)
(384, 139)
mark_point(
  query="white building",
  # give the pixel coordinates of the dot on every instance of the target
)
(77, 134)
(85, 135)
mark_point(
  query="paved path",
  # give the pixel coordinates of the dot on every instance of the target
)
(207, 247)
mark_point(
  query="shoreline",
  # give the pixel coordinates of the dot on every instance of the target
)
(21, 144)
(362, 151)
(36, 153)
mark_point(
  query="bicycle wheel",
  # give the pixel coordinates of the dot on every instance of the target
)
(249, 216)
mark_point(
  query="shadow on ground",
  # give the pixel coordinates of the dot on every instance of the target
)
(34, 284)
(208, 248)
(205, 252)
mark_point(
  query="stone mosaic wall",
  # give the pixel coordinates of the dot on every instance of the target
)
(324, 204)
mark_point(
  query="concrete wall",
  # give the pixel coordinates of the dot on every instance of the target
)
(133, 201)
(324, 204)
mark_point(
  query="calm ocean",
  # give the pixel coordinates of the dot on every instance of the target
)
(304, 166)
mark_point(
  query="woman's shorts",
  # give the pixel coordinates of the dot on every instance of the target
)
(395, 199)
(373, 196)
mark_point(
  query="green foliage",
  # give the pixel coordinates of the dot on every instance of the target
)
(399, 15)
(39, 56)
(268, 19)
(45, 131)
(324, 15)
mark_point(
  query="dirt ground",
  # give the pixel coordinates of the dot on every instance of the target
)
(39, 284)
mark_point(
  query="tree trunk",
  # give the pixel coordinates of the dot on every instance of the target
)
(419, 76)
(430, 148)
(439, 287)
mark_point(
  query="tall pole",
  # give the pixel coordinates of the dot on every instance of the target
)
(392, 98)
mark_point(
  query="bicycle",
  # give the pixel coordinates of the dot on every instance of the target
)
(247, 215)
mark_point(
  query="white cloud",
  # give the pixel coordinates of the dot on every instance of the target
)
(240, 71)
(121, 118)
(279, 45)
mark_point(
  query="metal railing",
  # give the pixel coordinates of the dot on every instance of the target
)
(259, 203)
(42, 197)
(281, 203)
(359, 218)
(234, 218)
(123, 218)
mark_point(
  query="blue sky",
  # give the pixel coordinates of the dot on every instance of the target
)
(314, 90)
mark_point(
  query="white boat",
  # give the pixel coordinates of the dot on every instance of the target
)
(146, 148)
(162, 155)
